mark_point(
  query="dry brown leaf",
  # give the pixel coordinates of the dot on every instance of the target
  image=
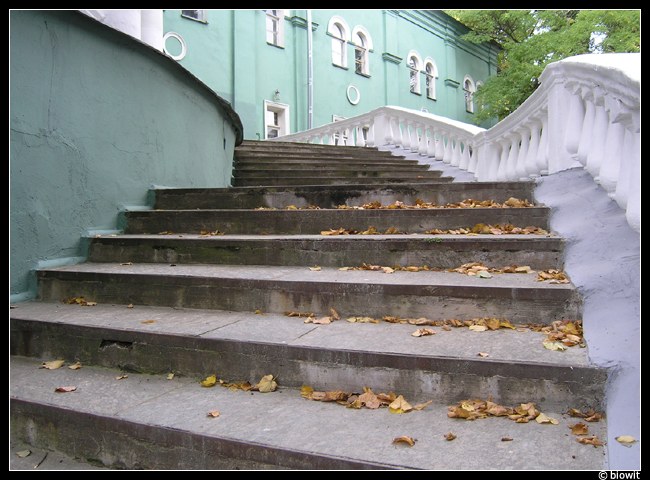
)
(148, 322)
(319, 321)
(493, 323)
(449, 436)
(591, 440)
(626, 440)
(400, 405)
(483, 354)
(52, 364)
(70, 388)
(315, 268)
(478, 328)
(542, 418)
(423, 332)
(306, 391)
(89, 304)
(130, 305)
(421, 406)
(299, 314)
(506, 439)
(75, 366)
(267, 384)
(405, 439)
(334, 314)
(121, 377)
(579, 429)
(388, 270)
(210, 381)
(214, 413)
(369, 399)
(170, 376)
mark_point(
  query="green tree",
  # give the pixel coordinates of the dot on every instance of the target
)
(530, 39)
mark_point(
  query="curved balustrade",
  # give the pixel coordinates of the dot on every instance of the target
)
(585, 113)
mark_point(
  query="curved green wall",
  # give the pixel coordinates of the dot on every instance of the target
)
(96, 119)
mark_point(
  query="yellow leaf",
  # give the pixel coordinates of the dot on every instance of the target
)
(543, 418)
(405, 439)
(506, 324)
(334, 314)
(53, 364)
(170, 376)
(121, 377)
(449, 436)
(75, 366)
(555, 346)
(421, 406)
(259, 312)
(579, 429)
(524, 269)
(23, 453)
(210, 381)
(214, 413)
(592, 440)
(478, 328)
(483, 354)
(626, 440)
(148, 322)
(387, 270)
(369, 399)
(493, 323)
(400, 405)
(315, 268)
(306, 391)
(267, 384)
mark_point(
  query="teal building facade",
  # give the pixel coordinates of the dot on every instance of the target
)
(259, 60)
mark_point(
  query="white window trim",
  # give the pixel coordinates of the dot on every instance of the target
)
(342, 42)
(203, 16)
(285, 127)
(416, 89)
(431, 91)
(280, 19)
(469, 93)
(359, 29)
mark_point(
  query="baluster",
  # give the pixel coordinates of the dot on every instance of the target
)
(502, 172)
(422, 150)
(439, 145)
(463, 164)
(542, 152)
(533, 148)
(599, 138)
(431, 146)
(520, 163)
(633, 210)
(609, 169)
(446, 156)
(574, 123)
(586, 134)
(625, 174)
(360, 140)
(455, 153)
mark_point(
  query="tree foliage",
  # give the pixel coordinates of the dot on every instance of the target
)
(530, 39)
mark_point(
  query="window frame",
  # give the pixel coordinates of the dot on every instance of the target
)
(339, 30)
(469, 93)
(430, 78)
(283, 125)
(362, 42)
(203, 15)
(414, 72)
(276, 19)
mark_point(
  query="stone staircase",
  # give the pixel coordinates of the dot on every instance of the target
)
(202, 284)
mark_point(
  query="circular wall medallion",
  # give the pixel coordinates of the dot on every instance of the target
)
(353, 94)
(180, 40)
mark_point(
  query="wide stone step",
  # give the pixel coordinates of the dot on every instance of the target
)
(329, 160)
(443, 251)
(435, 295)
(334, 155)
(320, 180)
(444, 367)
(326, 166)
(331, 196)
(326, 173)
(268, 222)
(292, 147)
(149, 422)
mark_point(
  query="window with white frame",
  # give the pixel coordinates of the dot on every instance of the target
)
(340, 32)
(362, 46)
(276, 119)
(414, 65)
(198, 15)
(275, 27)
(430, 75)
(469, 88)
(337, 138)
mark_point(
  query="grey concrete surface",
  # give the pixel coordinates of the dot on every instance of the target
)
(284, 420)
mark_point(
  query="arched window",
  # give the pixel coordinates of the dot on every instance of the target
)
(340, 32)
(469, 88)
(430, 73)
(362, 45)
(414, 64)
(275, 27)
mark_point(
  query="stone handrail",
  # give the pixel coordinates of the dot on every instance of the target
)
(585, 113)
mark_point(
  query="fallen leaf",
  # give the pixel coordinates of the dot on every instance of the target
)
(319, 321)
(334, 314)
(484, 274)
(127, 263)
(421, 406)
(53, 364)
(626, 440)
(449, 436)
(555, 346)
(506, 439)
(483, 354)
(388, 270)
(75, 366)
(523, 269)
(259, 312)
(592, 440)
(423, 332)
(315, 269)
(89, 304)
(23, 453)
(214, 413)
(306, 391)
(369, 399)
(478, 328)
(210, 381)
(148, 322)
(130, 305)
(400, 405)
(579, 429)
(405, 439)
(267, 384)
(543, 418)
(121, 377)
(170, 376)
(65, 389)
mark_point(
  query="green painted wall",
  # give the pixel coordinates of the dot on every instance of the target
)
(96, 119)
(229, 53)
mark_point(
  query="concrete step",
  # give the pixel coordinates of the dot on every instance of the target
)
(329, 160)
(319, 180)
(269, 174)
(149, 422)
(435, 295)
(443, 251)
(292, 147)
(444, 367)
(325, 166)
(330, 196)
(268, 222)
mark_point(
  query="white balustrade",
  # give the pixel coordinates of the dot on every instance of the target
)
(585, 113)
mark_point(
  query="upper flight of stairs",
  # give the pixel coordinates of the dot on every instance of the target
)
(201, 284)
